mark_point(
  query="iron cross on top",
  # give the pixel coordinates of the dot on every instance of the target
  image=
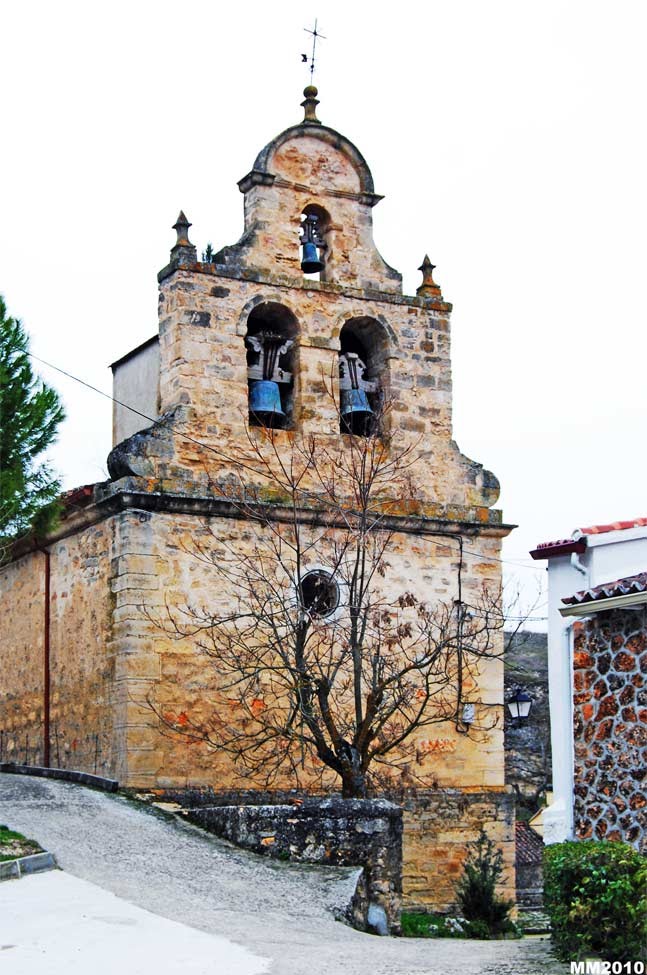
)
(304, 57)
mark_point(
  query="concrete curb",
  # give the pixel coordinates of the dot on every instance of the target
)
(67, 775)
(35, 863)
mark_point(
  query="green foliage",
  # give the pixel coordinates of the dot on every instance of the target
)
(486, 912)
(208, 254)
(596, 896)
(7, 834)
(13, 844)
(418, 925)
(30, 412)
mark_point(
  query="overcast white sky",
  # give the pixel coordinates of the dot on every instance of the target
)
(507, 137)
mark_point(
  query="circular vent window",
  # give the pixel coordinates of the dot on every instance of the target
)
(320, 593)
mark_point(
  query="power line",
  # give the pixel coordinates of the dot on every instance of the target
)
(153, 420)
(219, 453)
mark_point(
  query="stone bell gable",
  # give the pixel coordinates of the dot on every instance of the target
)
(311, 167)
(211, 314)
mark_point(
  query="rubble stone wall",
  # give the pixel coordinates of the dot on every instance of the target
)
(335, 832)
(610, 727)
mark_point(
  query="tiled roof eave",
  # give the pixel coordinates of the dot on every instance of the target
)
(593, 606)
(607, 590)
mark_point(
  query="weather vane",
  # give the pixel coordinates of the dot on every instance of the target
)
(311, 59)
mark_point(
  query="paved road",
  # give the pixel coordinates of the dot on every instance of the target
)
(280, 912)
(56, 924)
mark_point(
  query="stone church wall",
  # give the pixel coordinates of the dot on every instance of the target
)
(81, 671)
(109, 582)
(184, 680)
(439, 825)
(22, 671)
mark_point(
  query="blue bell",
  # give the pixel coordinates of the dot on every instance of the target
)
(311, 261)
(265, 402)
(355, 409)
(354, 401)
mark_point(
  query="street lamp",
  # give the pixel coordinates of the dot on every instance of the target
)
(519, 706)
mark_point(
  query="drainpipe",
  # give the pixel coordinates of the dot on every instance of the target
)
(46, 662)
(576, 562)
(579, 565)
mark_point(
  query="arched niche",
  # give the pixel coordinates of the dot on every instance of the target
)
(315, 241)
(272, 353)
(364, 352)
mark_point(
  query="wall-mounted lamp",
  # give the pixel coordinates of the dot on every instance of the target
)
(469, 714)
(519, 706)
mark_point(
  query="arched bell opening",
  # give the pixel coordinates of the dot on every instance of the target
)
(315, 224)
(271, 347)
(363, 376)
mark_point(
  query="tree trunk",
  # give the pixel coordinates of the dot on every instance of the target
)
(354, 784)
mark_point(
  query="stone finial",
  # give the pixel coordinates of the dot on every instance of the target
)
(309, 106)
(428, 286)
(183, 251)
(182, 225)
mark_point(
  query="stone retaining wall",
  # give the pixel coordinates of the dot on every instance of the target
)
(438, 825)
(337, 832)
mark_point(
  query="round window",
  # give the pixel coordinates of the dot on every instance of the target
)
(319, 593)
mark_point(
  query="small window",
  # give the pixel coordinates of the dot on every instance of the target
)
(320, 594)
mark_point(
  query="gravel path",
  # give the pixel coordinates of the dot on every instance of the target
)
(279, 911)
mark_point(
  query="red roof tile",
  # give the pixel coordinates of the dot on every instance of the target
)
(563, 546)
(546, 550)
(621, 587)
(78, 497)
(614, 526)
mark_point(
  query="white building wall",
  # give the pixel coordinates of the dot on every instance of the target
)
(135, 383)
(608, 556)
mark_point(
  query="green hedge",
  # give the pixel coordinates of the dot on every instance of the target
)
(596, 896)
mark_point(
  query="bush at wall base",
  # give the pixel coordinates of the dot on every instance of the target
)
(595, 893)
(486, 914)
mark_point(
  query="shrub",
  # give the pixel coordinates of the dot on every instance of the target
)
(486, 912)
(477, 929)
(596, 896)
(419, 925)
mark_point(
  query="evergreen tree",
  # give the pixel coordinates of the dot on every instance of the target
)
(30, 412)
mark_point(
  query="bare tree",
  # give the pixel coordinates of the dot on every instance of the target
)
(324, 662)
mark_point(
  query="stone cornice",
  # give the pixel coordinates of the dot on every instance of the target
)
(287, 282)
(127, 494)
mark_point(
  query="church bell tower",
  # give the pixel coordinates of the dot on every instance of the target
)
(302, 305)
